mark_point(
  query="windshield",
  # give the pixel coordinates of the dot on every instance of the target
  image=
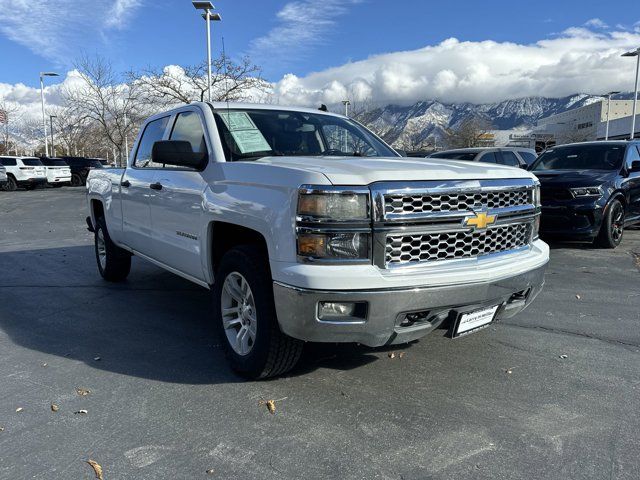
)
(581, 157)
(456, 155)
(252, 134)
(31, 162)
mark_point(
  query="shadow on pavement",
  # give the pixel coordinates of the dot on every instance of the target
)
(155, 325)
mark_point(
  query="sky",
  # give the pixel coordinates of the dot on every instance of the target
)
(325, 50)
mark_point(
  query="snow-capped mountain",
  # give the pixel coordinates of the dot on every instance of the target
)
(427, 119)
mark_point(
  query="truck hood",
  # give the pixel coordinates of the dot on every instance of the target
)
(363, 171)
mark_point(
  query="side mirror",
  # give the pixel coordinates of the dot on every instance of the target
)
(178, 153)
(635, 166)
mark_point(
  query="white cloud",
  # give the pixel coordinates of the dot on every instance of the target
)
(577, 60)
(59, 29)
(301, 24)
(595, 23)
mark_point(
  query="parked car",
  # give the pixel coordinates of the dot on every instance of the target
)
(3, 177)
(27, 172)
(308, 227)
(80, 168)
(58, 172)
(590, 191)
(511, 156)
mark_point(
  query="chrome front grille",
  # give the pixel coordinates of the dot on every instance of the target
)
(424, 223)
(454, 202)
(414, 248)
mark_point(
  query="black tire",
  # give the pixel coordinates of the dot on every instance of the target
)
(11, 186)
(612, 228)
(76, 180)
(114, 263)
(272, 352)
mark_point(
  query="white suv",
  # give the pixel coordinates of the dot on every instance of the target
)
(58, 172)
(27, 172)
(3, 177)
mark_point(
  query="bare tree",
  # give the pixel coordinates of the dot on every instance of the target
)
(177, 84)
(12, 115)
(470, 132)
(105, 99)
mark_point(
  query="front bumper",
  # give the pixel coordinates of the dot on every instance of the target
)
(579, 221)
(385, 321)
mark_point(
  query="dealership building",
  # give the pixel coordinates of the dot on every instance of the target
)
(589, 122)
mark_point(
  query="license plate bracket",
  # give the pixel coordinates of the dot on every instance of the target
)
(470, 321)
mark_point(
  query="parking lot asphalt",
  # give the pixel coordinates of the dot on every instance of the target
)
(550, 394)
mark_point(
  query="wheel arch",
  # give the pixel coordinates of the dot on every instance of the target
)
(223, 236)
(96, 209)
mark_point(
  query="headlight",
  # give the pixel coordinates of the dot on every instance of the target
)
(337, 206)
(583, 192)
(347, 245)
(333, 224)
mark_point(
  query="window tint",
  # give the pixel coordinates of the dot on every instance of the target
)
(509, 158)
(489, 157)
(632, 155)
(31, 162)
(153, 132)
(188, 128)
(8, 162)
(528, 157)
(53, 162)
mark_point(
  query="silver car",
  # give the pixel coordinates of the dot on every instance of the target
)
(511, 156)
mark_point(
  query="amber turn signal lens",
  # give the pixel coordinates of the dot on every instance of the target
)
(311, 245)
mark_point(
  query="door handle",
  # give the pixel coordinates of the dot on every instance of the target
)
(156, 186)
(125, 183)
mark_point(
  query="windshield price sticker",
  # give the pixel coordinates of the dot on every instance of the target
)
(247, 136)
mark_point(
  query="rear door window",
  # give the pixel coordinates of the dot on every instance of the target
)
(509, 158)
(489, 157)
(153, 132)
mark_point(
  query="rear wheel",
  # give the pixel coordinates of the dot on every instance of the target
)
(12, 186)
(76, 180)
(245, 316)
(114, 263)
(612, 227)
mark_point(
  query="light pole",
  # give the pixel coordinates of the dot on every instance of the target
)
(606, 132)
(634, 53)
(53, 146)
(346, 104)
(44, 118)
(208, 17)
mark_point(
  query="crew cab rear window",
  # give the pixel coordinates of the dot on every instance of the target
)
(153, 132)
(31, 162)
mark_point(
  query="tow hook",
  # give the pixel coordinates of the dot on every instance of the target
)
(90, 225)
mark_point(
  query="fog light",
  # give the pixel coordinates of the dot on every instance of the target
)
(341, 310)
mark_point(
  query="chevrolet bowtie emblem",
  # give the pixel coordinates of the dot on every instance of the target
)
(480, 220)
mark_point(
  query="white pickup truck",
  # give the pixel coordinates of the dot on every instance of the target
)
(307, 227)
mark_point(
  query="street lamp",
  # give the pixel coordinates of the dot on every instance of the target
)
(53, 147)
(634, 53)
(606, 133)
(44, 118)
(209, 17)
(346, 104)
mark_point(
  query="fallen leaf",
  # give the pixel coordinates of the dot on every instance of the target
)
(54, 407)
(97, 359)
(81, 412)
(509, 370)
(1, 429)
(19, 409)
(271, 406)
(210, 471)
(401, 354)
(83, 392)
(578, 297)
(97, 469)
(392, 355)
(45, 365)
(563, 356)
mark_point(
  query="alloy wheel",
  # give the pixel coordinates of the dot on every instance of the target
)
(617, 223)
(238, 313)
(102, 249)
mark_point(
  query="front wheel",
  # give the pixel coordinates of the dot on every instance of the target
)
(12, 185)
(114, 263)
(245, 316)
(612, 227)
